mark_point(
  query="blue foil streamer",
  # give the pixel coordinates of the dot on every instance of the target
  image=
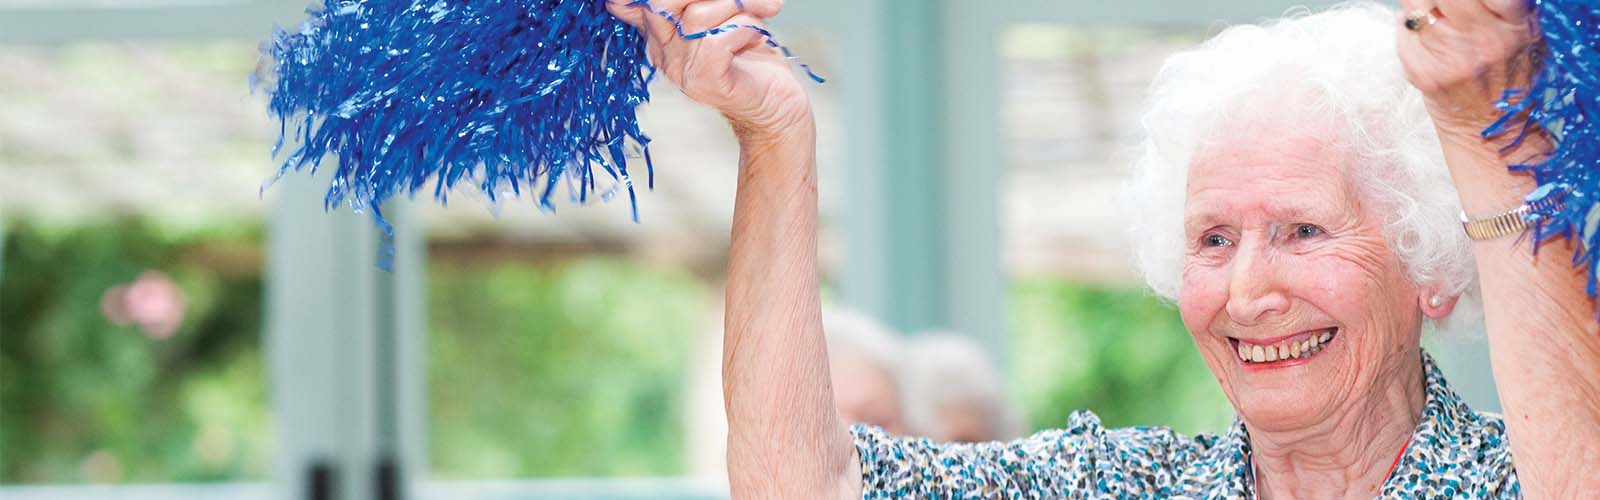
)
(1564, 100)
(496, 96)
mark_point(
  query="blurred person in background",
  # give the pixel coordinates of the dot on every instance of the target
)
(953, 392)
(1297, 197)
(865, 359)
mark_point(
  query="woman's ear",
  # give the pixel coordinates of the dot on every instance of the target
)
(1436, 304)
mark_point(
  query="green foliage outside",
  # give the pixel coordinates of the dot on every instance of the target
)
(1117, 351)
(533, 369)
(81, 398)
(573, 367)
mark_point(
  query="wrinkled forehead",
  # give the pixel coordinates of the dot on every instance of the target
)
(1282, 170)
(1267, 151)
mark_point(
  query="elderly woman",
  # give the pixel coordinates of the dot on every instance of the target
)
(1300, 213)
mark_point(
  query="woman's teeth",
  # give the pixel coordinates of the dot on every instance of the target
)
(1302, 347)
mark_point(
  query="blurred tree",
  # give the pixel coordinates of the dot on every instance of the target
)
(568, 368)
(1115, 350)
(82, 399)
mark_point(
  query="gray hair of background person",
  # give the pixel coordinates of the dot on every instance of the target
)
(856, 333)
(874, 395)
(944, 370)
(1199, 92)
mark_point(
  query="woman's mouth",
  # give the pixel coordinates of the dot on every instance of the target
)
(1293, 348)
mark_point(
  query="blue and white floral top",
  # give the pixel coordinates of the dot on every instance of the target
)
(1454, 453)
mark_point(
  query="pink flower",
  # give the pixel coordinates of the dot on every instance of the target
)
(153, 301)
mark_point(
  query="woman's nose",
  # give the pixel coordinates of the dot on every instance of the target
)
(1254, 291)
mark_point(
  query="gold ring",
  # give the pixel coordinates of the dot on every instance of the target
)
(1419, 19)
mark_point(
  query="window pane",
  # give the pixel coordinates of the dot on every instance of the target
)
(558, 368)
(1085, 334)
(131, 293)
(573, 344)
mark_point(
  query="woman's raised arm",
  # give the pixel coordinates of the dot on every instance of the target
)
(785, 439)
(1544, 336)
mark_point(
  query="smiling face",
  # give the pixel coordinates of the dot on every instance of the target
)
(1290, 289)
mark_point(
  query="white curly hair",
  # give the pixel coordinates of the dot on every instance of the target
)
(1341, 68)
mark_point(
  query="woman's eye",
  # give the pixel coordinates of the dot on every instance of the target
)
(1216, 240)
(1303, 231)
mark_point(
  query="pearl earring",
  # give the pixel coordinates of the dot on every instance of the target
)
(1435, 301)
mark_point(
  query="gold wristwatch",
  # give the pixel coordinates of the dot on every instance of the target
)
(1508, 223)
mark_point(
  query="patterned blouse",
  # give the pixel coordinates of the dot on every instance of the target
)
(1454, 453)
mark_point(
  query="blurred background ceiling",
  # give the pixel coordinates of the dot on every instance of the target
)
(95, 130)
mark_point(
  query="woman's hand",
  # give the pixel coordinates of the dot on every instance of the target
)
(735, 71)
(1466, 60)
(1544, 340)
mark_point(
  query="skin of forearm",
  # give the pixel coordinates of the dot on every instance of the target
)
(1544, 334)
(785, 439)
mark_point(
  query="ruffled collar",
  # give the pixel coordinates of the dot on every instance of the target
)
(1449, 444)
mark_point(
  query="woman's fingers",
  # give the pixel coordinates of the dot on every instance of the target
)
(627, 12)
(661, 20)
(1409, 6)
(704, 15)
(1466, 41)
(711, 56)
(695, 15)
(1511, 11)
(1466, 59)
(647, 16)
(1438, 25)
(714, 54)
(727, 70)
(1466, 12)
(761, 9)
(638, 14)
(705, 65)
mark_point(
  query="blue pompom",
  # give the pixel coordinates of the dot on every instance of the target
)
(500, 96)
(1564, 100)
(496, 94)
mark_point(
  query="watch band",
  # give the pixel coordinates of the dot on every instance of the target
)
(1508, 223)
